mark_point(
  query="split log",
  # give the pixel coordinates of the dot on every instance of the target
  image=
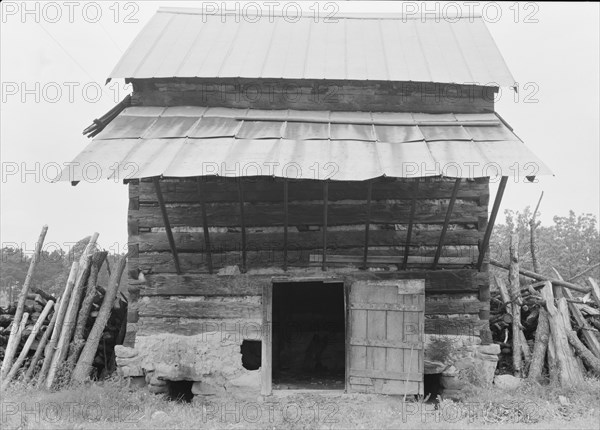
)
(540, 347)
(583, 352)
(590, 339)
(11, 347)
(84, 313)
(538, 277)
(62, 310)
(42, 344)
(569, 372)
(553, 368)
(84, 364)
(69, 323)
(36, 328)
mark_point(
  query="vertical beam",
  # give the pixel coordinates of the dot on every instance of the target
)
(163, 210)
(325, 204)
(490, 226)
(266, 367)
(205, 226)
(411, 220)
(242, 223)
(438, 251)
(285, 223)
(367, 223)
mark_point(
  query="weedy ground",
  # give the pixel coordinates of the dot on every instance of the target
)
(113, 405)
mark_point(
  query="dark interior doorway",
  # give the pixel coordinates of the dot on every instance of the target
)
(308, 335)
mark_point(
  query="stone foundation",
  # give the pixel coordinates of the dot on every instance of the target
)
(215, 366)
(460, 360)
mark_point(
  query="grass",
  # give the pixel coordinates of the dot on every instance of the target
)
(112, 405)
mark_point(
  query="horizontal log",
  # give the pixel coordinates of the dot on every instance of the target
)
(382, 96)
(441, 281)
(386, 307)
(309, 213)
(539, 277)
(198, 309)
(211, 328)
(196, 262)
(465, 326)
(223, 190)
(352, 238)
(448, 307)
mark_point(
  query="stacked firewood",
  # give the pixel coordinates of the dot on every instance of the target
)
(549, 327)
(62, 340)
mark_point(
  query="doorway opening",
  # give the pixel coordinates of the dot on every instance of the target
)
(308, 335)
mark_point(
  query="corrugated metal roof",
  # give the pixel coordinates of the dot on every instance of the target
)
(185, 43)
(189, 141)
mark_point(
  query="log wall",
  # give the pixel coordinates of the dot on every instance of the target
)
(457, 298)
(375, 96)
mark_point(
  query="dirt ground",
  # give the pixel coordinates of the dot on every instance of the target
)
(112, 405)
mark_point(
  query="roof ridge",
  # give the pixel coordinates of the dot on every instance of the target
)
(427, 16)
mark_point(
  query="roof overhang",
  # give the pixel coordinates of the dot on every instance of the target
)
(189, 141)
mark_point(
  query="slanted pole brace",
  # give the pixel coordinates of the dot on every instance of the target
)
(367, 223)
(325, 204)
(285, 224)
(205, 226)
(490, 227)
(438, 251)
(243, 225)
(165, 217)
(411, 220)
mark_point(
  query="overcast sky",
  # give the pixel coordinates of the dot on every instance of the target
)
(52, 67)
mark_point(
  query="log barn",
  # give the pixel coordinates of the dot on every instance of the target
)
(309, 200)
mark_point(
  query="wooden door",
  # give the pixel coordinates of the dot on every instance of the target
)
(386, 336)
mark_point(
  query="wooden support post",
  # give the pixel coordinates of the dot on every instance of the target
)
(266, 367)
(411, 220)
(367, 223)
(325, 204)
(285, 224)
(490, 226)
(242, 223)
(165, 217)
(205, 226)
(438, 251)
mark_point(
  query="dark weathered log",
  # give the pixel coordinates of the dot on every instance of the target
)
(533, 275)
(25, 350)
(540, 347)
(446, 281)
(224, 190)
(83, 367)
(172, 307)
(44, 294)
(11, 347)
(569, 372)
(84, 312)
(310, 213)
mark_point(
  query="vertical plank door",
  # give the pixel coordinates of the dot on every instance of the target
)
(386, 336)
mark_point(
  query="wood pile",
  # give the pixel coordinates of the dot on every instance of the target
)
(546, 328)
(55, 341)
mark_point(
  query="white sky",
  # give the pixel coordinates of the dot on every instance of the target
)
(559, 55)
